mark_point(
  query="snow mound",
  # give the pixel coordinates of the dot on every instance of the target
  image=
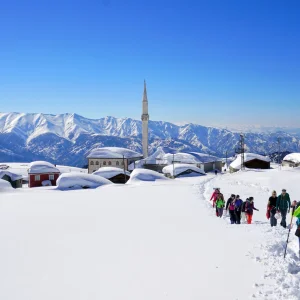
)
(293, 157)
(113, 152)
(236, 164)
(109, 172)
(139, 175)
(13, 176)
(5, 184)
(180, 168)
(42, 167)
(80, 180)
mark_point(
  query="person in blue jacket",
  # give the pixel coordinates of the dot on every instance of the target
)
(238, 209)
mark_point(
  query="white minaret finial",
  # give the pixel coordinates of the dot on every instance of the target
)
(145, 120)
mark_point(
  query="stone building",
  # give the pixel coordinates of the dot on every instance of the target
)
(111, 157)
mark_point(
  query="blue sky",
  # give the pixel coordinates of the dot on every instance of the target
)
(208, 62)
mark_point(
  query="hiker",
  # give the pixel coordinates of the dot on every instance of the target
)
(220, 203)
(249, 207)
(271, 209)
(283, 204)
(297, 216)
(214, 198)
(216, 172)
(238, 203)
(231, 205)
(243, 214)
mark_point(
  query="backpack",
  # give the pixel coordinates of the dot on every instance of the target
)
(297, 233)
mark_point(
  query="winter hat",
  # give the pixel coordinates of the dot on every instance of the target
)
(251, 198)
(232, 195)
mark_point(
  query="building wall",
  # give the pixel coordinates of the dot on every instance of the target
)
(287, 163)
(35, 183)
(95, 163)
(211, 166)
(257, 164)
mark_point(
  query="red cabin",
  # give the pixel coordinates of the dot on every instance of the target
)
(42, 173)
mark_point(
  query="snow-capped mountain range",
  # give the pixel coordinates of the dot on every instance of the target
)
(68, 138)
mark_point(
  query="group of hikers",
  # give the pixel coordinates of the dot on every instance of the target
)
(279, 206)
(239, 210)
(242, 211)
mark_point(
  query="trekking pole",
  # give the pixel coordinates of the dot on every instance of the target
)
(293, 210)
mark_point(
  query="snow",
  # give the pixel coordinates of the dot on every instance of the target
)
(159, 240)
(293, 157)
(13, 176)
(22, 169)
(78, 180)
(236, 164)
(190, 158)
(109, 172)
(179, 168)
(140, 175)
(113, 152)
(37, 167)
(4, 185)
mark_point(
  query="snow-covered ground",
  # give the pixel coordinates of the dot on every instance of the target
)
(159, 240)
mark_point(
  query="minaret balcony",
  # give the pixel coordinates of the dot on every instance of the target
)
(145, 117)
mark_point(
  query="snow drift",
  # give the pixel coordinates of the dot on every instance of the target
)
(109, 172)
(80, 180)
(4, 184)
(180, 168)
(139, 175)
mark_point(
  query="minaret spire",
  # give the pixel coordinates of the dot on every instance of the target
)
(145, 120)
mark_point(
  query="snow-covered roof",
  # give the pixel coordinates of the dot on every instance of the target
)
(156, 158)
(293, 157)
(236, 164)
(38, 167)
(139, 175)
(179, 168)
(191, 158)
(113, 152)
(80, 180)
(109, 172)
(5, 184)
(13, 176)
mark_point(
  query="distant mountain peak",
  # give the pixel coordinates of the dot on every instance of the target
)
(66, 138)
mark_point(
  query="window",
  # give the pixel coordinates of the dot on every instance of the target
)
(92, 163)
(109, 163)
(51, 177)
(117, 163)
(37, 177)
(97, 163)
(104, 163)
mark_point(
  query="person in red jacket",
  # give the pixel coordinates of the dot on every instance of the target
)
(249, 207)
(216, 194)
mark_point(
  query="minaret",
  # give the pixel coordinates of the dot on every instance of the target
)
(145, 119)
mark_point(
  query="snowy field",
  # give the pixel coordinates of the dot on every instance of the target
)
(146, 240)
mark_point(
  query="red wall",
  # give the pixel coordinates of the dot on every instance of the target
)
(33, 183)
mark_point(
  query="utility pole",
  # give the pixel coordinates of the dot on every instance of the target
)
(173, 165)
(174, 161)
(226, 161)
(242, 146)
(124, 169)
(279, 154)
